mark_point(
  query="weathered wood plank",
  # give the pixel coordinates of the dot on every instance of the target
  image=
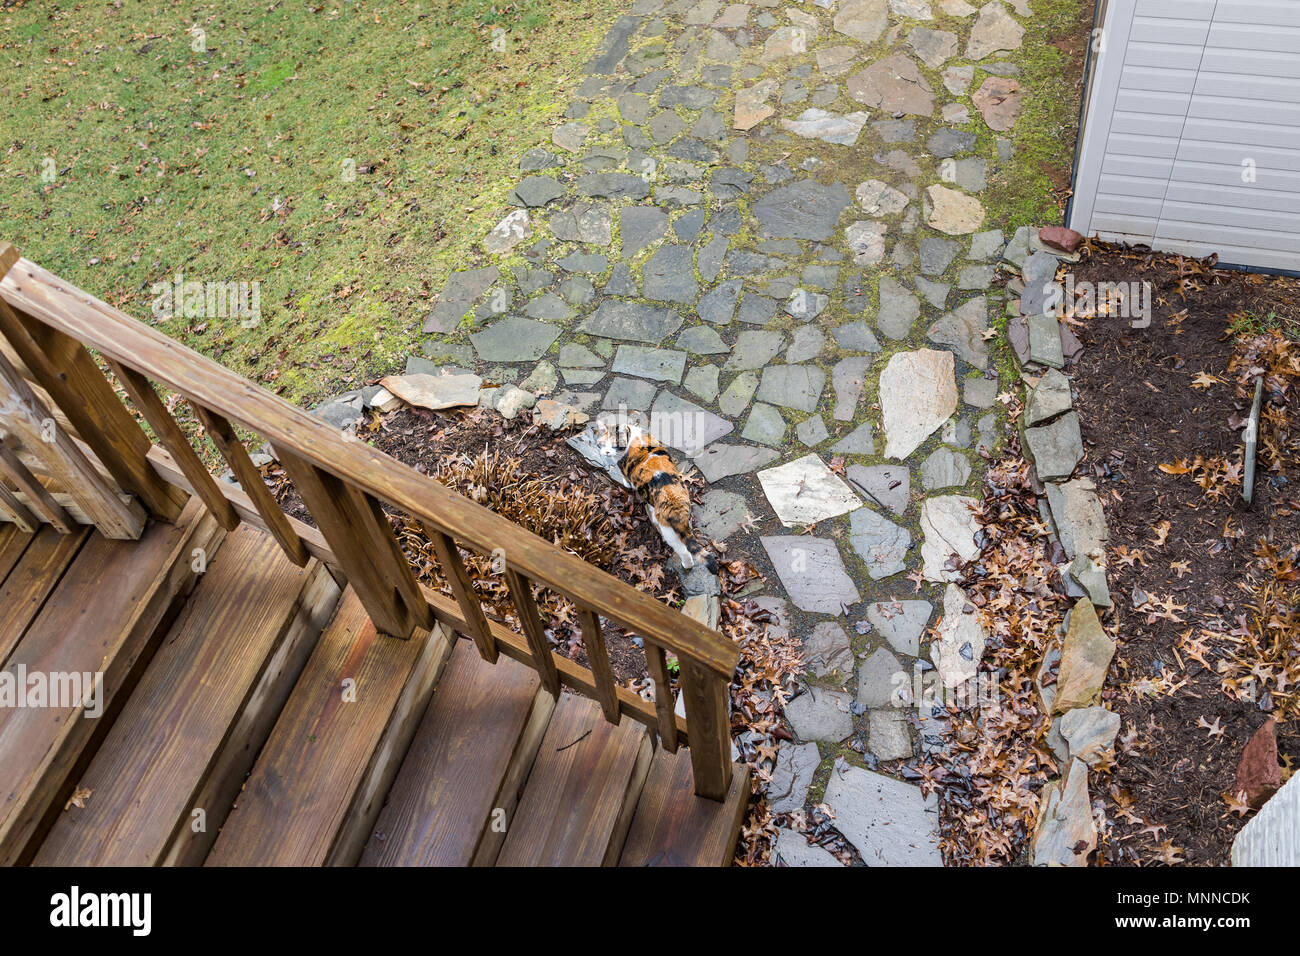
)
(114, 334)
(30, 582)
(673, 827)
(657, 667)
(250, 480)
(16, 512)
(708, 710)
(202, 484)
(521, 593)
(106, 617)
(593, 640)
(40, 501)
(462, 587)
(23, 414)
(13, 542)
(474, 746)
(338, 743)
(60, 365)
(364, 545)
(178, 753)
(577, 802)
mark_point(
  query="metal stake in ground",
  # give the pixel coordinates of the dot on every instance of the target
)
(1252, 439)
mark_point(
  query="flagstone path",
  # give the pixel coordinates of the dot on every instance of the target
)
(761, 224)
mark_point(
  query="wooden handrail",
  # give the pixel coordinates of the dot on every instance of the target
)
(341, 482)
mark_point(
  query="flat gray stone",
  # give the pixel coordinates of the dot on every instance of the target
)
(918, 393)
(811, 431)
(805, 491)
(1078, 516)
(888, 485)
(963, 328)
(949, 528)
(632, 321)
(585, 222)
(720, 514)
(792, 775)
(792, 848)
(720, 461)
(827, 651)
(641, 226)
(820, 715)
(979, 391)
(812, 572)
(629, 394)
(535, 191)
(804, 304)
(661, 365)
(514, 339)
(753, 350)
(888, 736)
(684, 425)
(848, 378)
(612, 186)
(702, 340)
(1056, 448)
(1050, 397)
(944, 468)
(549, 306)
(736, 398)
(806, 343)
(860, 441)
(1045, 341)
(901, 623)
(880, 543)
(765, 426)
(889, 822)
(669, 275)
(934, 47)
(862, 20)
(1091, 577)
(718, 305)
(937, 254)
(756, 309)
(960, 639)
(893, 84)
(801, 210)
(994, 30)
(899, 309)
(579, 356)
(792, 386)
(702, 382)
(1090, 732)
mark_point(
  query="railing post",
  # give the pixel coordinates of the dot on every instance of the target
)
(708, 721)
(64, 369)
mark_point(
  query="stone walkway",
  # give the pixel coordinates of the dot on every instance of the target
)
(761, 225)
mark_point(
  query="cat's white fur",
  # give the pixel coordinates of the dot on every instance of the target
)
(614, 443)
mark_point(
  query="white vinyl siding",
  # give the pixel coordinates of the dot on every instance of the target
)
(1184, 97)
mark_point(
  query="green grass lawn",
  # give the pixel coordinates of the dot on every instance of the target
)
(136, 148)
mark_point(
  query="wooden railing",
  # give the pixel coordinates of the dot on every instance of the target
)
(49, 326)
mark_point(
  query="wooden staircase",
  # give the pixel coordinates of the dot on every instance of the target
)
(253, 716)
(231, 686)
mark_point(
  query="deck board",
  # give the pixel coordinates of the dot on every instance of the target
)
(106, 615)
(576, 804)
(13, 542)
(32, 579)
(231, 657)
(475, 744)
(318, 785)
(674, 827)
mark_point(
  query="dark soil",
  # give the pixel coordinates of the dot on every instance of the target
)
(426, 440)
(1139, 409)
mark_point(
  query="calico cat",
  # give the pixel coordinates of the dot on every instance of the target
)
(651, 473)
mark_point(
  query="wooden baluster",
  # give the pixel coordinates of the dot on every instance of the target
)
(250, 480)
(38, 497)
(15, 511)
(708, 719)
(657, 665)
(476, 624)
(65, 370)
(31, 423)
(358, 533)
(171, 437)
(593, 639)
(521, 592)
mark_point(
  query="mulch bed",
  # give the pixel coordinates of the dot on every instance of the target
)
(1183, 567)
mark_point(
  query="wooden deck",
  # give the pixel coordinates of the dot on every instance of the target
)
(254, 716)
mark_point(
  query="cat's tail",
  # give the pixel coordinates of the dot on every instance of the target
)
(701, 550)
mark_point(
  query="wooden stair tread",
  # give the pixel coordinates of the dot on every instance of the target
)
(474, 746)
(191, 729)
(674, 827)
(577, 803)
(30, 581)
(316, 789)
(13, 542)
(106, 616)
